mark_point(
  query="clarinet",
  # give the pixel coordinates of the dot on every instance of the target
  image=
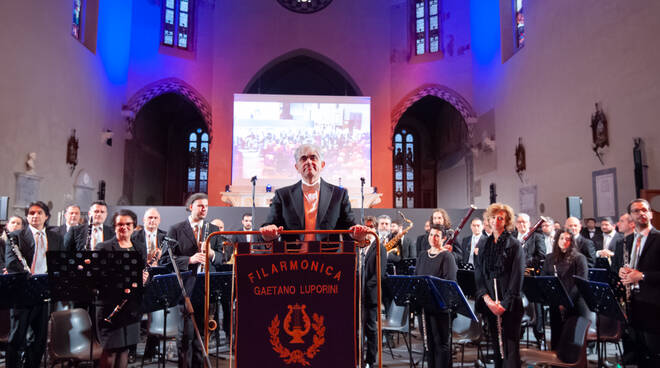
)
(200, 245)
(17, 252)
(499, 324)
(626, 263)
(88, 245)
(450, 240)
(115, 311)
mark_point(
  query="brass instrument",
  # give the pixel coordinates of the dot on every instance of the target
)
(390, 246)
(499, 323)
(17, 252)
(211, 324)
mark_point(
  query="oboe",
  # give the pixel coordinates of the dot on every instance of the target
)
(17, 252)
(115, 311)
(499, 323)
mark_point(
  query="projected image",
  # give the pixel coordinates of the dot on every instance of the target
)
(268, 128)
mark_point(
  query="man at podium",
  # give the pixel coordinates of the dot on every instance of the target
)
(310, 204)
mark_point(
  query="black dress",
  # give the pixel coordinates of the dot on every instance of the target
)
(504, 261)
(442, 265)
(566, 268)
(124, 330)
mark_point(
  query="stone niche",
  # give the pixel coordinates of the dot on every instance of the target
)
(83, 190)
(27, 190)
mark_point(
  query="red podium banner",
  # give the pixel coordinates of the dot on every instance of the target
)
(296, 310)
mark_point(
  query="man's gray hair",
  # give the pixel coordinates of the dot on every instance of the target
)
(298, 152)
(524, 215)
(385, 217)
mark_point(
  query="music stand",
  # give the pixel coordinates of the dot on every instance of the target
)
(546, 290)
(599, 274)
(83, 275)
(465, 279)
(601, 300)
(11, 286)
(162, 292)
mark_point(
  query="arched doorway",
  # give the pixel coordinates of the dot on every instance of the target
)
(432, 166)
(162, 159)
(303, 72)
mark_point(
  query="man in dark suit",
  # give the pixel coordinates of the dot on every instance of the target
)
(584, 245)
(643, 276)
(150, 235)
(33, 242)
(71, 219)
(534, 246)
(310, 204)
(472, 242)
(607, 242)
(370, 302)
(590, 230)
(404, 244)
(246, 225)
(421, 239)
(78, 237)
(190, 235)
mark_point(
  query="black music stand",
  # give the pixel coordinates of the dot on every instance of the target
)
(11, 286)
(465, 279)
(162, 292)
(431, 294)
(599, 274)
(601, 300)
(546, 290)
(83, 275)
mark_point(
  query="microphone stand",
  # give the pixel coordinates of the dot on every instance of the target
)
(188, 305)
(362, 202)
(254, 188)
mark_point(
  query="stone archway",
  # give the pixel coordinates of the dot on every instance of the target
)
(163, 86)
(437, 90)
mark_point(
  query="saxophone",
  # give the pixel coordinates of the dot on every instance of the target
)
(391, 245)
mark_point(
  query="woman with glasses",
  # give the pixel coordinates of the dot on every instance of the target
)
(498, 274)
(123, 330)
(565, 261)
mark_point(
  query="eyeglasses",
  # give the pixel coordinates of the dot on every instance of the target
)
(124, 224)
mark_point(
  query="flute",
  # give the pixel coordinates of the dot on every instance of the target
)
(499, 323)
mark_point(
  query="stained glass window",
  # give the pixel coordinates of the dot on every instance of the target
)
(198, 162)
(76, 24)
(520, 24)
(427, 26)
(177, 23)
(404, 168)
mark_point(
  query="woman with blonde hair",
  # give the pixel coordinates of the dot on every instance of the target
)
(499, 271)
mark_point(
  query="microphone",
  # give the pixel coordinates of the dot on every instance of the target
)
(253, 179)
(362, 180)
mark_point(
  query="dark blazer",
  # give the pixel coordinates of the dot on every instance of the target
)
(510, 282)
(186, 245)
(422, 243)
(26, 246)
(646, 302)
(76, 237)
(617, 260)
(334, 212)
(585, 232)
(370, 276)
(566, 270)
(112, 245)
(406, 249)
(140, 236)
(62, 230)
(534, 249)
(586, 247)
(466, 244)
(600, 240)
(240, 238)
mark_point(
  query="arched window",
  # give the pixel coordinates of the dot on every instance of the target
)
(427, 27)
(198, 162)
(177, 23)
(404, 168)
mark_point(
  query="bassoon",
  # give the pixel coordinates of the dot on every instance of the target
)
(449, 243)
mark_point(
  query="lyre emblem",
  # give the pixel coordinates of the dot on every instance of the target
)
(300, 325)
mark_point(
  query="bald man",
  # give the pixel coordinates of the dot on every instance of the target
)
(584, 245)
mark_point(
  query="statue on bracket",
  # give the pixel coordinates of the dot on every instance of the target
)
(72, 152)
(599, 132)
(521, 166)
(30, 163)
